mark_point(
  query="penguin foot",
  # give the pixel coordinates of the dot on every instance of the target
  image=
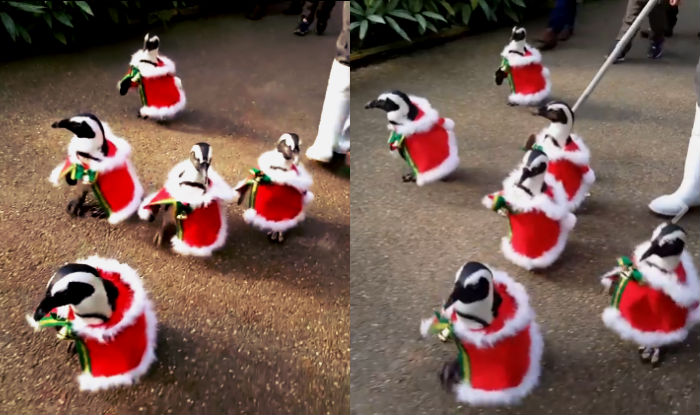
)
(98, 212)
(275, 237)
(158, 239)
(72, 349)
(408, 178)
(512, 104)
(655, 357)
(75, 208)
(645, 353)
(449, 375)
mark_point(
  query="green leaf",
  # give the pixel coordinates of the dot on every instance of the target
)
(487, 10)
(447, 7)
(48, 20)
(63, 18)
(24, 34)
(392, 5)
(404, 14)
(510, 13)
(376, 18)
(397, 28)
(466, 14)
(431, 26)
(113, 14)
(474, 4)
(32, 8)
(363, 28)
(421, 23)
(434, 16)
(518, 3)
(60, 37)
(84, 6)
(9, 25)
(354, 25)
(356, 11)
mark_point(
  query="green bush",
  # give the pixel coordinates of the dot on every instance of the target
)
(419, 16)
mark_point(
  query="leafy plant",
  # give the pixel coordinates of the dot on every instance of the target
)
(419, 16)
(57, 15)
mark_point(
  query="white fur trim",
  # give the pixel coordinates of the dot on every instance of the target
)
(55, 174)
(165, 113)
(183, 248)
(88, 382)
(448, 165)
(250, 216)
(143, 212)
(425, 123)
(219, 189)
(300, 180)
(614, 320)
(123, 151)
(542, 261)
(510, 396)
(581, 157)
(532, 99)
(524, 315)
(151, 71)
(128, 210)
(424, 325)
(131, 278)
(684, 294)
(517, 60)
(555, 208)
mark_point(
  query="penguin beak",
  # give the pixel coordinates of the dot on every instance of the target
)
(204, 172)
(381, 104)
(649, 252)
(80, 129)
(541, 111)
(450, 301)
(45, 307)
(373, 104)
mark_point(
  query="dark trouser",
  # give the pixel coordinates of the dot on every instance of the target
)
(657, 18)
(563, 15)
(321, 9)
(671, 16)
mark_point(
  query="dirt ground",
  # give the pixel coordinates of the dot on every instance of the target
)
(407, 242)
(257, 328)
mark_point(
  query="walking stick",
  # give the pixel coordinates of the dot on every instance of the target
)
(615, 53)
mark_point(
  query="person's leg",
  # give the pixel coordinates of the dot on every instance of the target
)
(570, 20)
(633, 9)
(306, 18)
(657, 23)
(688, 193)
(557, 22)
(671, 19)
(323, 13)
(336, 109)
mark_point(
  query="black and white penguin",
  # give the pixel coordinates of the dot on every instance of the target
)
(568, 154)
(421, 137)
(91, 297)
(473, 298)
(195, 174)
(532, 173)
(518, 41)
(665, 248)
(99, 161)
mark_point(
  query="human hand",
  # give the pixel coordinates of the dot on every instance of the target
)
(674, 2)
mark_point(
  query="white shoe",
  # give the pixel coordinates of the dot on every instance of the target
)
(688, 193)
(317, 153)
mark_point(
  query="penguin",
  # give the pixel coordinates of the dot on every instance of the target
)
(521, 65)
(499, 343)
(101, 306)
(90, 297)
(655, 294)
(192, 202)
(421, 137)
(161, 92)
(98, 161)
(278, 189)
(568, 154)
(535, 206)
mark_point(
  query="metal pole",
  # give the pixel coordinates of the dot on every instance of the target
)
(616, 52)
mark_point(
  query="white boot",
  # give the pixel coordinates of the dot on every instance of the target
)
(688, 192)
(336, 110)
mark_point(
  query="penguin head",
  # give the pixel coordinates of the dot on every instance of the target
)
(665, 248)
(473, 298)
(151, 44)
(89, 141)
(398, 106)
(518, 43)
(79, 286)
(562, 120)
(195, 174)
(532, 173)
(288, 148)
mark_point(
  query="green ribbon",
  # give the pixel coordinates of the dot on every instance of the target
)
(627, 272)
(256, 178)
(505, 67)
(134, 75)
(444, 329)
(78, 172)
(68, 333)
(398, 142)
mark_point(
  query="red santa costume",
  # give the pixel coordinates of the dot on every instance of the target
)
(522, 65)
(200, 217)
(539, 225)
(499, 364)
(119, 351)
(570, 166)
(427, 143)
(651, 307)
(113, 178)
(278, 198)
(162, 96)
